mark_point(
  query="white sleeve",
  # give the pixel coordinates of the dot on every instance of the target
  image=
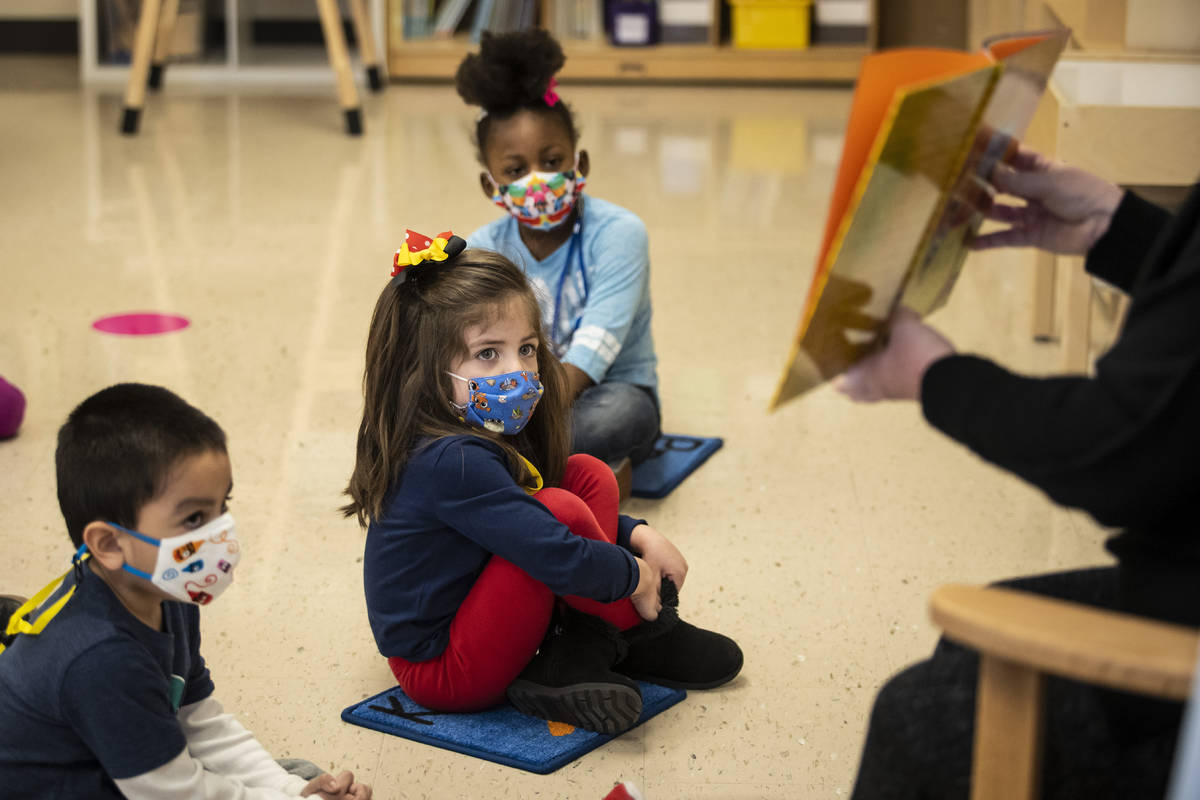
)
(184, 778)
(222, 761)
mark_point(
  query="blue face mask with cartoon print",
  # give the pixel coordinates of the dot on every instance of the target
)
(501, 403)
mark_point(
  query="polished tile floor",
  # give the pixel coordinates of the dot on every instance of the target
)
(814, 537)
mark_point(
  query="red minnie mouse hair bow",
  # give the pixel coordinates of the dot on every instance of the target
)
(419, 248)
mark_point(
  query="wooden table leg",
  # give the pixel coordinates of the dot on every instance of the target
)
(143, 46)
(1043, 296)
(366, 44)
(339, 59)
(162, 45)
(1008, 731)
(1077, 315)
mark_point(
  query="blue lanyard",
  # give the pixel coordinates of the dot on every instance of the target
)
(575, 249)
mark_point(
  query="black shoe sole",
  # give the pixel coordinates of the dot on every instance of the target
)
(601, 707)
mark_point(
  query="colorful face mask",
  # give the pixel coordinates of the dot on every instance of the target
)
(540, 200)
(501, 403)
(196, 566)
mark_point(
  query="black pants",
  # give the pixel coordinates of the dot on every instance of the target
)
(1098, 743)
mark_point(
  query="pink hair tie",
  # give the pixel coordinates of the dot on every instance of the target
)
(551, 96)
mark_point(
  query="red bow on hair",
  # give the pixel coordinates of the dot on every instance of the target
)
(418, 247)
(551, 96)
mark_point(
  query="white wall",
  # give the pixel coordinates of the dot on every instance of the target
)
(1162, 25)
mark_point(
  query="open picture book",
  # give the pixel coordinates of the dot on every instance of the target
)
(926, 128)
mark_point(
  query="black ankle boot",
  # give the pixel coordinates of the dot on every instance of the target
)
(571, 679)
(672, 652)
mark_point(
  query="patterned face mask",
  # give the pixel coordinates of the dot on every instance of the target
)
(540, 200)
(501, 403)
(196, 566)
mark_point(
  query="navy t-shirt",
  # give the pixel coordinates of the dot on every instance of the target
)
(455, 506)
(94, 696)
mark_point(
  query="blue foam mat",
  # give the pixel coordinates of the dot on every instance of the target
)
(501, 734)
(674, 458)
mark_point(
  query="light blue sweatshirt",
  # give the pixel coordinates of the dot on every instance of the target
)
(603, 308)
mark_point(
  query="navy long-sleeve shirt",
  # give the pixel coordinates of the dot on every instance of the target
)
(455, 506)
(1124, 444)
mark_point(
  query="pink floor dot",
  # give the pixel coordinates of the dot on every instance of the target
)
(145, 323)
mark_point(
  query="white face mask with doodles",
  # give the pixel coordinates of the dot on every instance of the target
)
(195, 566)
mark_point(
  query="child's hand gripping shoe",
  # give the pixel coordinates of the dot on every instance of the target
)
(671, 652)
(571, 679)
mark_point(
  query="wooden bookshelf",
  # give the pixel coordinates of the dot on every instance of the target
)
(437, 59)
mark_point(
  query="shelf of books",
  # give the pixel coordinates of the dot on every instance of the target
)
(427, 40)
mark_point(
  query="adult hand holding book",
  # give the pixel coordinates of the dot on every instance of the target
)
(895, 372)
(1066, 209)
(926, 129)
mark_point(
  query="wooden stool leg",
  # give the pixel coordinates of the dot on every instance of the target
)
(143, 45)
(1077, 316)
(339, 59)
(1008, 731)
(1043, 296)
(162, 45)
(366, 44)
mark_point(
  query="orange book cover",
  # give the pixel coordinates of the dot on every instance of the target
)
(926, 127)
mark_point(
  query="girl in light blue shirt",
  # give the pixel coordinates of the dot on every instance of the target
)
(588, 259)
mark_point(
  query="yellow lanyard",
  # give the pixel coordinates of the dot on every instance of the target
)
(537, 476)
(17, 622)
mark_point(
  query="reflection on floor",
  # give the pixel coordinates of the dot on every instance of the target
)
(814, 536)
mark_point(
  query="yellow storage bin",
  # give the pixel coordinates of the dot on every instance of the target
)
(771, 24)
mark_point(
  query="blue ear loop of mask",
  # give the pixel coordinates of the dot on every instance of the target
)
(144, 538)
(82, 553)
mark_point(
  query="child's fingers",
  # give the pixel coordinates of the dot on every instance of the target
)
(342, 783)
(317, 784)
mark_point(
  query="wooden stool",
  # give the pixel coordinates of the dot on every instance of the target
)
(1022, 638)
(152, 41)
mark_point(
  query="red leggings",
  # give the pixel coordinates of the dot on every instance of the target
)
(500, 624)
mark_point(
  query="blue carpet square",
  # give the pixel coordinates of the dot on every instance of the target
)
(674, 458)
(500, 734)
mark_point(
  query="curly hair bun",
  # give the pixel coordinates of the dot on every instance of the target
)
(510, 71)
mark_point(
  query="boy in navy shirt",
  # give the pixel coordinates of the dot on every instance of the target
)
(104, 693)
